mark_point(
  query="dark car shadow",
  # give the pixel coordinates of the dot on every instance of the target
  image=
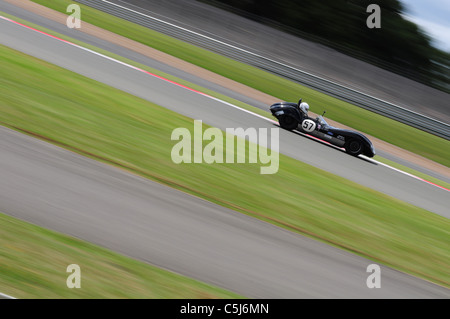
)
(325, 143)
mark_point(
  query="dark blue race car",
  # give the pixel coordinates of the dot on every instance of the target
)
(293, 116)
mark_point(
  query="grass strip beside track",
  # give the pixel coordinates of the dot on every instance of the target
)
(112, 126)
(34, 261)
(396, 133)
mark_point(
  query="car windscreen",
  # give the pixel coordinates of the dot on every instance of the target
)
(322, 121)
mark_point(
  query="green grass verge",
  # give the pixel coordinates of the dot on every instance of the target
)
(404, 136)
(120, 129)
(34, 262)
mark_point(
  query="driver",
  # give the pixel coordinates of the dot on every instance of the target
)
(304, 107)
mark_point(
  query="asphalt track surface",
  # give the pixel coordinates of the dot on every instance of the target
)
(60, 190)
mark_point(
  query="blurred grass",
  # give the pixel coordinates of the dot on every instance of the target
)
(33, 263)
(120, 129)
(404, 136)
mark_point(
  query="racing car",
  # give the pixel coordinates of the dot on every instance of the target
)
(293, 116)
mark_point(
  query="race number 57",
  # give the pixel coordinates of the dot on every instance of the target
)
(308, 126)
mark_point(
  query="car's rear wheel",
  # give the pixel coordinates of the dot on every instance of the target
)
(354, 147)
(288, 123)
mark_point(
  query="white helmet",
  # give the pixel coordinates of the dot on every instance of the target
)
(304, 107)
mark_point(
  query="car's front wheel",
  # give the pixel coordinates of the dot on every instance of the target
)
(354, 147)
(288, 123)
